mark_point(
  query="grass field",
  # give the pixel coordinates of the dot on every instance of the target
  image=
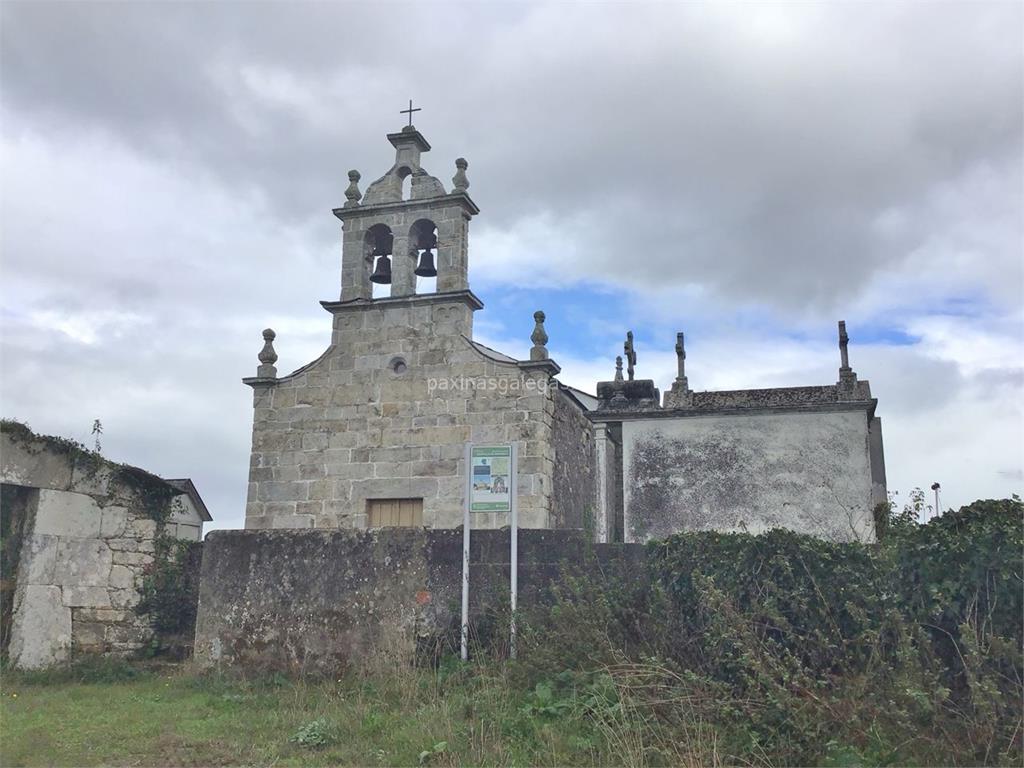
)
(455, 716)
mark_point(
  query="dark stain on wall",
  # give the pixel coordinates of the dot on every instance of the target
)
(715, 489)
(723, 480)
(17, 511)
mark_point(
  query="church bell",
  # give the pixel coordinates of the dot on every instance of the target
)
(382, 272)
(426, 266)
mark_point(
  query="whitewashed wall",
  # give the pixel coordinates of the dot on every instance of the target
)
(809, 471)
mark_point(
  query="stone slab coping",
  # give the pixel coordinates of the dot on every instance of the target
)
(634, 414)
(465, 297)
(409, 135)
(461, 199)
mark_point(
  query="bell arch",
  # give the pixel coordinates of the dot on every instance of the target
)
(378, 248)
(423, 249)
(404, 174)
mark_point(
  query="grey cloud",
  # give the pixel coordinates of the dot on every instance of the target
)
(173, 165)
(747, 149)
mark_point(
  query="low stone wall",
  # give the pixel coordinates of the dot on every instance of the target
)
(320, 600)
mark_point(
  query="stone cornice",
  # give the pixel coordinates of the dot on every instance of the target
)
(260, 381)
(442, 201)
(462, 297)
(610, 415)
(410, 136)
(548, 366)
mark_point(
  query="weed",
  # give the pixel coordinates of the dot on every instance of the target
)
(313, 735)
(438, 749)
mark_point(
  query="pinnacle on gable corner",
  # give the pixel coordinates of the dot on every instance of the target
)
(460, 183)
(352, 194)
(267, 356)
(539, 337)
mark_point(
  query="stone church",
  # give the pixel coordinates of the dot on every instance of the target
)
(373, 432)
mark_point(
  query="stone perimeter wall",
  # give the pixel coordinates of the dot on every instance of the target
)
(85, 545)
(316, 601)
(348, 428)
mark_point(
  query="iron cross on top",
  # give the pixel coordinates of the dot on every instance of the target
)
(410, 110)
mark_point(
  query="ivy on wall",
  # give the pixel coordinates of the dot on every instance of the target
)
(154, 493)
(170, 586)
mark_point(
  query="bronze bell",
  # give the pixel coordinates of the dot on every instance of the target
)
(426, 266)
(382, 272)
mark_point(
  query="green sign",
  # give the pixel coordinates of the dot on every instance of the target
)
(490, 478)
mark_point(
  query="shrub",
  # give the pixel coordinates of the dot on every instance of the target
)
(170, 586)
(803, 651)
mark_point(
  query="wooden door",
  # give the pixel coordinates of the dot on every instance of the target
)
(395, 513)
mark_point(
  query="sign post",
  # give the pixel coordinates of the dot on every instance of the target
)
(490, 487)
(513, 560)
(465, 553)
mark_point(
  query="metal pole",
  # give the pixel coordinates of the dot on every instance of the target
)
(514, 547)
(465, 552)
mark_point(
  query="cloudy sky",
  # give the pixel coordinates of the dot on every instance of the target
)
(746, 173)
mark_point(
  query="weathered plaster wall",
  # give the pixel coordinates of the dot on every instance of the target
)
(348, 427)
(86, 542)
(320, 600)
(574, 483)
(809, 471)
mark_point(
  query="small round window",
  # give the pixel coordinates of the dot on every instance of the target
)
(398, 366)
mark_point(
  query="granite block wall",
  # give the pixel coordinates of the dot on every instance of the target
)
(386, 412)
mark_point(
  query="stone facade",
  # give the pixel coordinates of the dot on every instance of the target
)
(386, 411)
(78, 540)
(574, 485)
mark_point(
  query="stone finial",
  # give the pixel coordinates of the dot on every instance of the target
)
(679, 396)
(459, 180)
(630, 352)
(539, 337)
(681, 356)
(267, 356)
(847, 376)
(844, 353)
(618, 398)
(352, 194)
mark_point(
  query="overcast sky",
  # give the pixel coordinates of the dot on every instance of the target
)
(746, 173)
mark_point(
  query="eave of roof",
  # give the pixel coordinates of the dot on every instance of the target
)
(186, 486)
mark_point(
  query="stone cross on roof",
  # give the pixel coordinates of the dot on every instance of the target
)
(630, 354)
(410, 110)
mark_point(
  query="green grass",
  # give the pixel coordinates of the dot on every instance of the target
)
(458, 716)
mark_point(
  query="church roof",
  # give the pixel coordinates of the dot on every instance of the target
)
(492, 353)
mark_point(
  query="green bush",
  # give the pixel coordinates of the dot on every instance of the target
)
(803, 651)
